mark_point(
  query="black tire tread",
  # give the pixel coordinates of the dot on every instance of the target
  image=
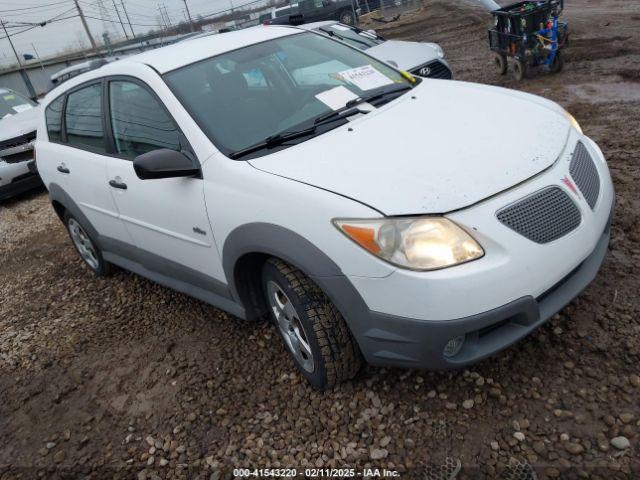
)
(340, 353)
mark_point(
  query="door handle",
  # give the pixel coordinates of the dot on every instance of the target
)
(117, 184)
(63, 169)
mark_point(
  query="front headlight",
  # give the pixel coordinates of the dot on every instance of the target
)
(438, 49)
(416, 243)
(574, 122)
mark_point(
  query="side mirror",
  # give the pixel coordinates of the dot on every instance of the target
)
(164, 163)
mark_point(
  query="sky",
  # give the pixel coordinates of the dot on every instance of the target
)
(67, 33)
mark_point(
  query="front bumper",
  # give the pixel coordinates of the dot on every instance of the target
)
(493, 301)
(16, 178)
(396, 341)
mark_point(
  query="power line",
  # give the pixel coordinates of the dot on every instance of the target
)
(110, 9)
(115, 21)
(35, 7)
(56, 18)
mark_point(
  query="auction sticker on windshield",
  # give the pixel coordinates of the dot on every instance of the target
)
(337, 97)
(21, 108)
(365, 77)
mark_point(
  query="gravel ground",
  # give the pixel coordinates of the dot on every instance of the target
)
(122, 378)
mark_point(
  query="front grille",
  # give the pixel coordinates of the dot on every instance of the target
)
(543, 216)
(585, 174)
(435, 69)
(17, 141)
(18, 149)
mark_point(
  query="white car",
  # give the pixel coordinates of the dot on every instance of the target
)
(419, 58)
(410, 222)
(18, 123)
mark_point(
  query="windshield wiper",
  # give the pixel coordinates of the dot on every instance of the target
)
(283, 137)
(332, 33)
(346, 110)
(376, 96)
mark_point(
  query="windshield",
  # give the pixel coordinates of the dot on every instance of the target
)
(242, 97)
(12, 103)
(353, 36)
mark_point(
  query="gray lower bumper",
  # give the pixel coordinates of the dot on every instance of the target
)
(24, 184)
(402, 342)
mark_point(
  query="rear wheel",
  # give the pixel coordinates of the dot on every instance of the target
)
(86, 246)
(500, 61)
(520, 70)
(346, 17)
(313, 331)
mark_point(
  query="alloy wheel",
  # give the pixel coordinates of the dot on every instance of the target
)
(290, 326)
(84, 244)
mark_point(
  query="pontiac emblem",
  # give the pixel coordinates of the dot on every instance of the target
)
(570, 185)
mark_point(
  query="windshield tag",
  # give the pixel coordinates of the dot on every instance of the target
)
(336, 98)
(365, 77)
(21, 108)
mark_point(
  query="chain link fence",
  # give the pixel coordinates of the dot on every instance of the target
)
(388, 10)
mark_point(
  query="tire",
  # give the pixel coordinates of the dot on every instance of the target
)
(346, 17)
(500, 61)
(313, 330)
(557, 64)
(520, 70)
(86, 246)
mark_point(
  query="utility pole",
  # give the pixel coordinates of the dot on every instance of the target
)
(86, 27)
(164, 22)
(23, 72)
(166, 14)
(189, 14)
(120, 20)
(126, 14)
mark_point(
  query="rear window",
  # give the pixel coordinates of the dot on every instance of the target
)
(53, 114)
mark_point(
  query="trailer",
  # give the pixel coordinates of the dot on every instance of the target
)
(530, 33)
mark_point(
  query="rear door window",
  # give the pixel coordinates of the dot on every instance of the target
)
(83, 119)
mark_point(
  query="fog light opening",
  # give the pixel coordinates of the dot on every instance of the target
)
(453, 346)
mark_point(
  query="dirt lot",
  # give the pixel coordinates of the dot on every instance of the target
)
(122, 378)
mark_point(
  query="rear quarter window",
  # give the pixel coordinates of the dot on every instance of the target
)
(53, 115)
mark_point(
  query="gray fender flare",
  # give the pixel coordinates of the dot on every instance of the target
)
(272, 240)
(57, 194)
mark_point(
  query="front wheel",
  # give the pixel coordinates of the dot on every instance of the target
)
(86, 246)
(346, 17)
(520, 70)
(313, 330)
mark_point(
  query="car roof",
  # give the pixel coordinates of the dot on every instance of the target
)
(178, 55)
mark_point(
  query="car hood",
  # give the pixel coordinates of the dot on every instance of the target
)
(441, 147)
(407, 55)
(19, 124)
